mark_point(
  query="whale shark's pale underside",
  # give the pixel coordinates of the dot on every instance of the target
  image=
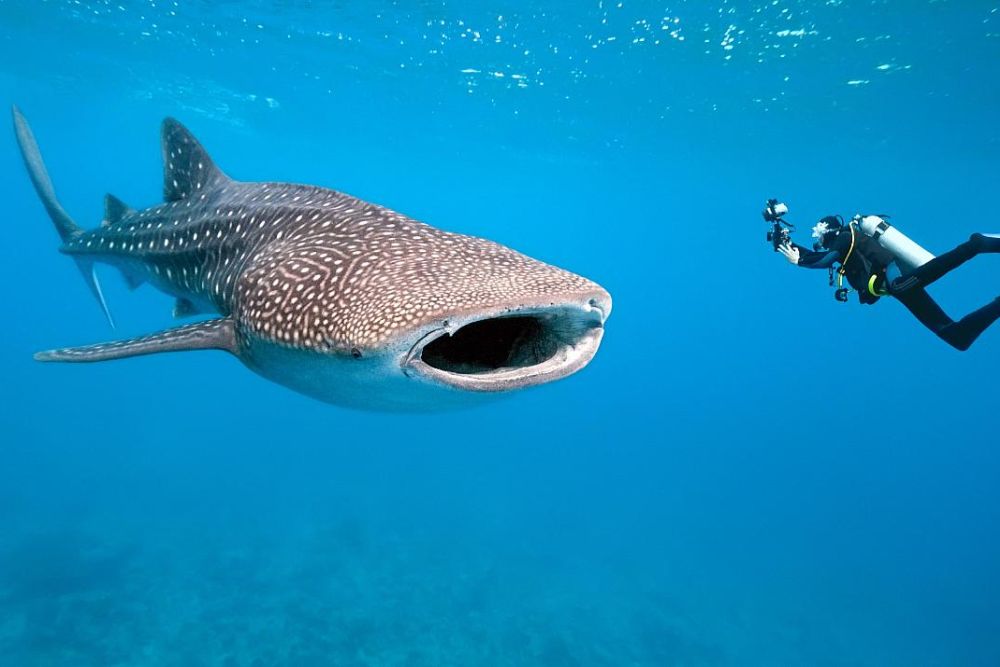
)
(332, 296)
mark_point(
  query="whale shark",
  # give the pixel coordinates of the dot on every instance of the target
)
(334, 297)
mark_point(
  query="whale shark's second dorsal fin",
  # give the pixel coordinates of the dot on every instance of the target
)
(187, 168)
(114, 210)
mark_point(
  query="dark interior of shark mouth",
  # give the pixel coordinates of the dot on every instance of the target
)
(488, 345)
(512, 351)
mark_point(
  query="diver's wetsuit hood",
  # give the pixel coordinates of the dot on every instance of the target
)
(835, 226)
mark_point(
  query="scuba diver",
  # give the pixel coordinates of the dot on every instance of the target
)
(879, 260)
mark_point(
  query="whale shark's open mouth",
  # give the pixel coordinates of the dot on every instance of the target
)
(511, 350)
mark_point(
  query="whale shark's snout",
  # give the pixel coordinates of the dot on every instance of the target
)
(514, 347)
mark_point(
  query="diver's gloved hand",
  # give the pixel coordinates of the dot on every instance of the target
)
(790, 252)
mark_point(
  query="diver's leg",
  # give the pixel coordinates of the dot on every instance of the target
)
(967, 330)
(922, 276)
(959, 335)
(925, 309)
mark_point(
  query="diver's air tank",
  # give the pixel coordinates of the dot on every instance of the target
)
(906, 251)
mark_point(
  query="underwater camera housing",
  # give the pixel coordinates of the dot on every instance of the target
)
(781, 231)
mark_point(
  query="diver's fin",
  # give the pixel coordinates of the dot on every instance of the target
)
(187, 167)
(115, 209)
(217, 334)
(67, 229)
(185, 308)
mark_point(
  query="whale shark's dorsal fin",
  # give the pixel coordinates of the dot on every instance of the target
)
(187, 168)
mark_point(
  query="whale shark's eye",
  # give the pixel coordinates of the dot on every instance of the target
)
(356, 353)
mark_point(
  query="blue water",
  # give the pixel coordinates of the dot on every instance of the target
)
(748, 473)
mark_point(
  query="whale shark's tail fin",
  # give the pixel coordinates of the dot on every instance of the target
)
(43, 186)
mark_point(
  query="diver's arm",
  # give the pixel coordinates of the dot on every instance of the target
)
(817, 260)
(807, 259)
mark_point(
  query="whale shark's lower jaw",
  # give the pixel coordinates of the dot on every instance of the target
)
(512, 349)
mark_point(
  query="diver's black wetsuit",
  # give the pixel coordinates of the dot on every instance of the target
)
(869, 259)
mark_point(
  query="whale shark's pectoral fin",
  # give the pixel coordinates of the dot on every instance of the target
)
(218, 334)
